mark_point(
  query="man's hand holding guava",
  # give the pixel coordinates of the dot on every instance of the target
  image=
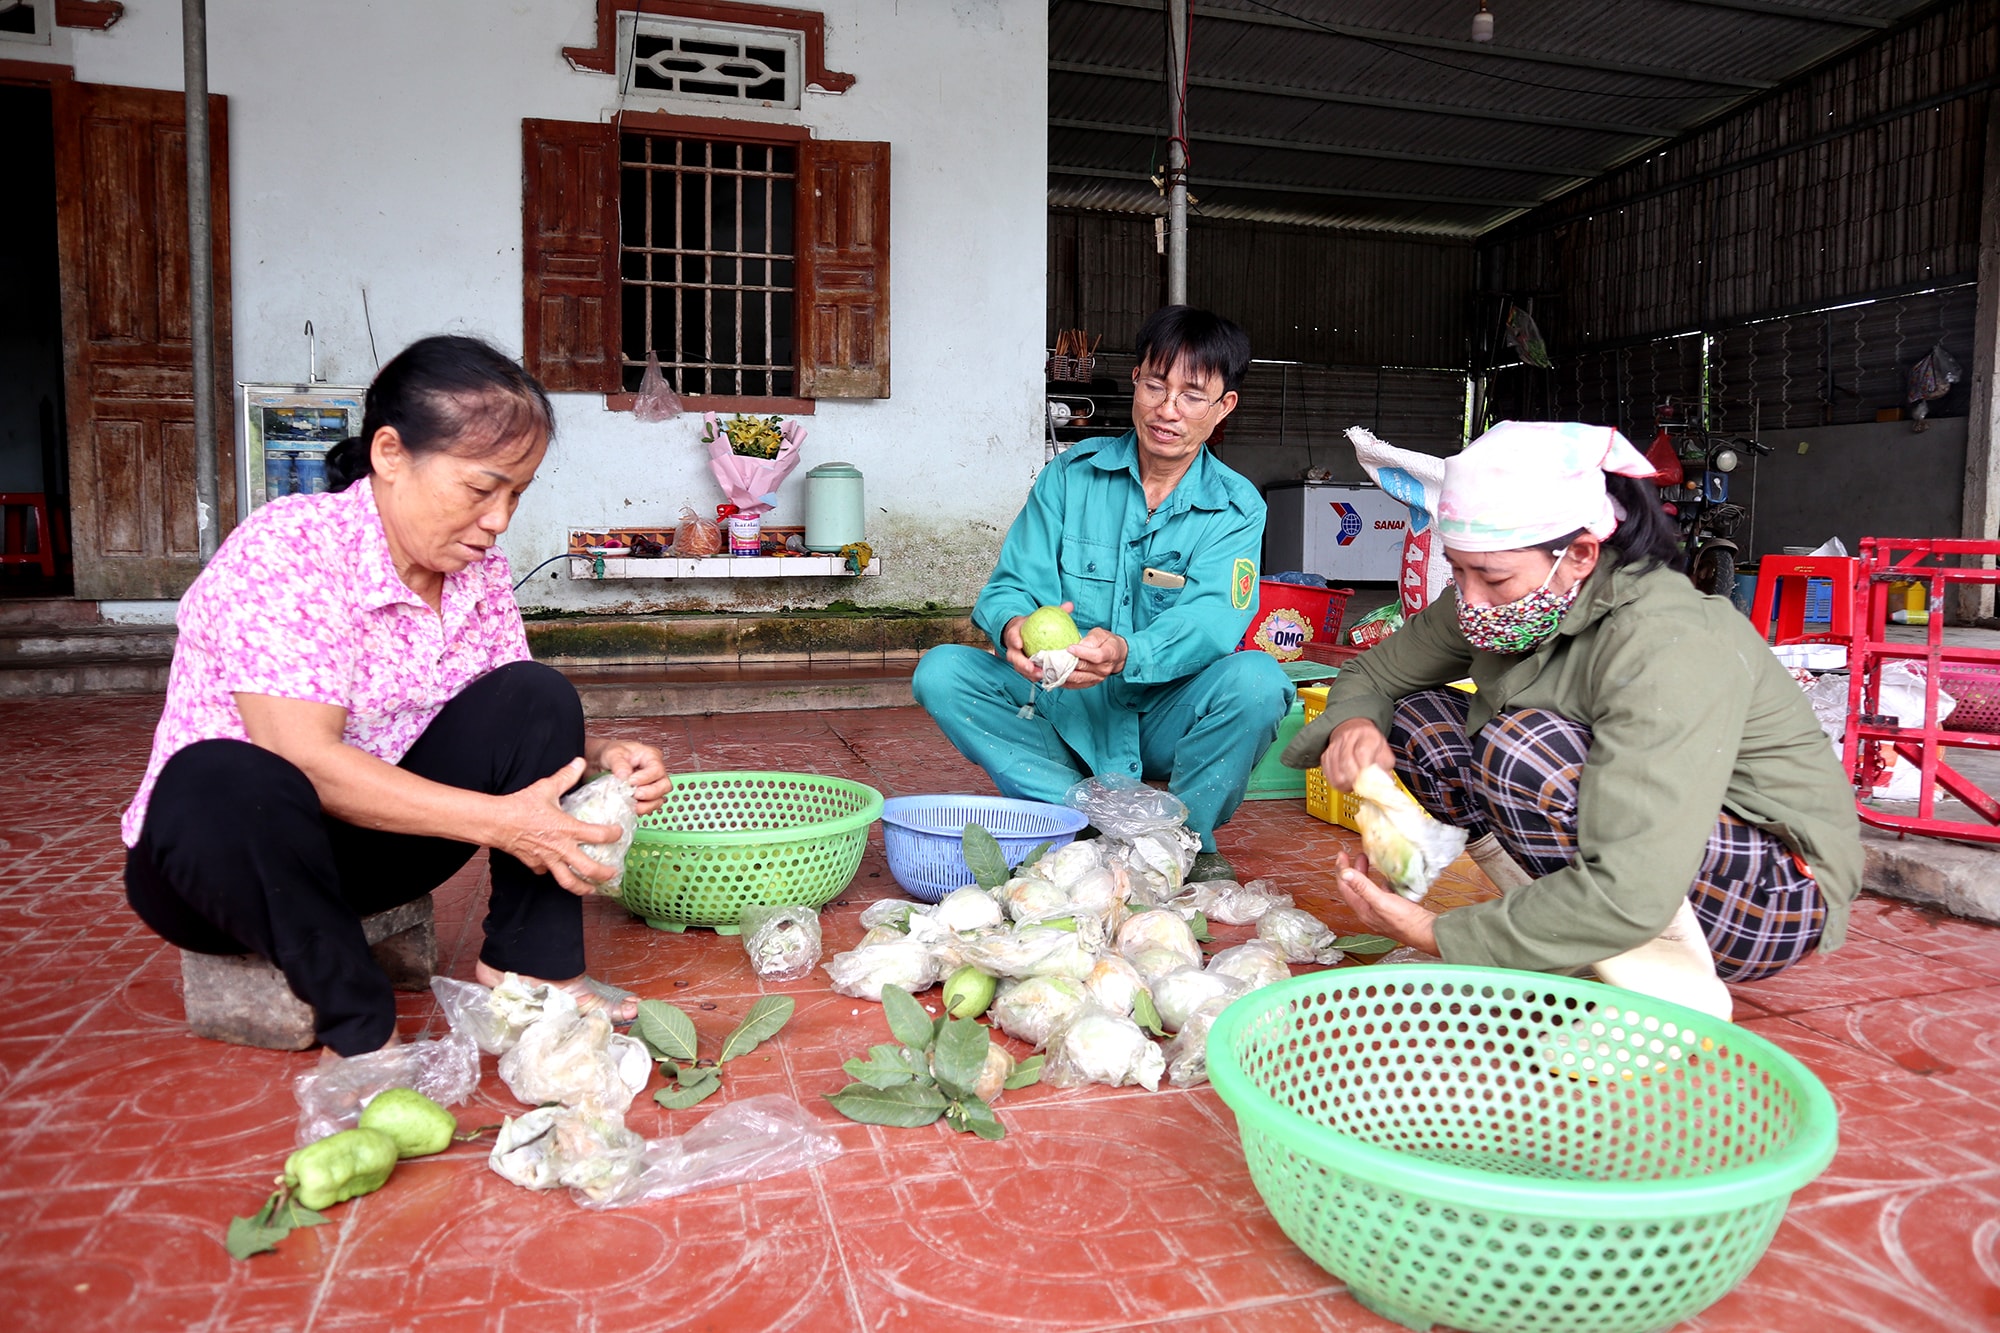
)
(1098, 654)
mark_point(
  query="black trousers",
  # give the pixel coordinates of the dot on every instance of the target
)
(237, 856)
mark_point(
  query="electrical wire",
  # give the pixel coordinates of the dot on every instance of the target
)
(539, 568)
(1408, 54)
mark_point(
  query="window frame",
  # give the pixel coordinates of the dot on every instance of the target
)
(675, 125)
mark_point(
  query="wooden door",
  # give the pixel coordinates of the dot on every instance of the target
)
(121, 214)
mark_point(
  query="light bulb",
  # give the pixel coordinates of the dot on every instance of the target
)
(1482, 24)
(1724, 461)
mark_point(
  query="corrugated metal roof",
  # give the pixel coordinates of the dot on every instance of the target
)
(1446, 136)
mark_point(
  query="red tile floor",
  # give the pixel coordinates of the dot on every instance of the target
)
(126, 1145)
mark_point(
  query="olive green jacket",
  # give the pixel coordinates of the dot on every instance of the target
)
(1690, 713)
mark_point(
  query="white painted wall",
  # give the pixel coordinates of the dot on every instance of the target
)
(377, 143)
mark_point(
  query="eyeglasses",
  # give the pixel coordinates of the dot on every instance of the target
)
(1153, 392)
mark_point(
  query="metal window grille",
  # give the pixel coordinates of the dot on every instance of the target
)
(708, 260)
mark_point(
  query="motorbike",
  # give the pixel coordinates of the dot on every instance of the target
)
(1695, 468)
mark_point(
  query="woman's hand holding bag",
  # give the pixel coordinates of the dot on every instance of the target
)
(532, 829)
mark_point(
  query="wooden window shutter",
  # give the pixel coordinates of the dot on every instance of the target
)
(844, 270)
(569, 255)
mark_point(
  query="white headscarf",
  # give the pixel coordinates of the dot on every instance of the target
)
(1526, 483)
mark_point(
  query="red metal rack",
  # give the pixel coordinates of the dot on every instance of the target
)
(1933, 562)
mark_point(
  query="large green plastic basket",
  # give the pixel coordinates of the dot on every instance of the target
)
(726, 841)
(1503, 1151)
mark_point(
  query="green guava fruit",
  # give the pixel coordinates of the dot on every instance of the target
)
(418, 1125)
(1048, 629)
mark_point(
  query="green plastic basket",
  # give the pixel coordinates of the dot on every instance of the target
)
(1504, 1151)
(726, 841)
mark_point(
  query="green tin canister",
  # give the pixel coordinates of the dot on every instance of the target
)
(833, 506)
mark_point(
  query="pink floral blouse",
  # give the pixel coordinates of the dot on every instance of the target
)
(303, 602)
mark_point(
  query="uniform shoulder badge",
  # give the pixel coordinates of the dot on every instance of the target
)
(1243, 584)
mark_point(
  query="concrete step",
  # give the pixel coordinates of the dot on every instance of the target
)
(721, 639)
(46, 611)
(38, 645)
(800, 685)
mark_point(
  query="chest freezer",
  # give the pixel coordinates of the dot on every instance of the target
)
(1346, 532)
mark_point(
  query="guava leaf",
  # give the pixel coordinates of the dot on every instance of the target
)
(1036, 853)
(292, 1214)
(907, 1018)
(761, 1024)
(1146, 1014)
(979, 1118)
(247, 1237)
(885, 1067)
(1364, 945)
(1198, 923)
(907, 1107)
(984, 858)
(691, 1092)
(1026, 1074)
(666, 1031)
(959, 1056)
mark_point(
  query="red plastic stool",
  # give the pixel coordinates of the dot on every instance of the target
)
(13, 540)
(1782, 579)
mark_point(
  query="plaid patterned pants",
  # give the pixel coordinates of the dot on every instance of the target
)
(1518, 779)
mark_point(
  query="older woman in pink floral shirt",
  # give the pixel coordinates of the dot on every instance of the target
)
(352, 713)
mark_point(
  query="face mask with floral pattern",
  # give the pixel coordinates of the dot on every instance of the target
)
(1522, 625)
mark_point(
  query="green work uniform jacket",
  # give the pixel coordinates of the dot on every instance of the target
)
(1085, 537)
(1690, 714)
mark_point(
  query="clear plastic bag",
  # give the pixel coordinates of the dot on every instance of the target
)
(656, 400)
(608, 800)
(1158, 929)
(1037, 951)
(783, 942)
(696, 536)
(1187, 1053)
(588, 1150)
(330, 1098)
(1036, 1009)
(493, 1018)
(1115, 985)
(743, 1141)
(1124, 807)
(1407, 846)
(1254, 962)
(970, 908)
(1098, 1047)
(1299, 935)
(1185, 989)
(1157, 862)
(575, 1059)
(862, 973)
(1228, 902)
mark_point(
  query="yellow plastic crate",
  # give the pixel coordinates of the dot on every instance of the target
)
(1322, 801)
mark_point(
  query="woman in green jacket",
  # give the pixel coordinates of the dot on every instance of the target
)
(1634, 750)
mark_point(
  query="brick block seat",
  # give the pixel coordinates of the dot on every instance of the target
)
(241, 998)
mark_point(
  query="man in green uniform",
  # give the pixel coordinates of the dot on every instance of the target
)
(1153, 546)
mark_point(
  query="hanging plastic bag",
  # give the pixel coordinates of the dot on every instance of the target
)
(330, 1099)
(1527, 338)
(696, 536)
(1376, 626)
(656, 401)
(783, 942)
(609, 800)
(1931, 379)
(1417, 480)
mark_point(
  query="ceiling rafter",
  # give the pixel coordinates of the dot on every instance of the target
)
(1661, 132)
(1483, 50)
(1332, 191)
(1804, 13)
(1338, 150)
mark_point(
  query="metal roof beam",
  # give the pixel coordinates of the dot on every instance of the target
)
(1361, 99)
(1482, 49)
(1805, 13)
(1276, 187)
(1339, 150)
